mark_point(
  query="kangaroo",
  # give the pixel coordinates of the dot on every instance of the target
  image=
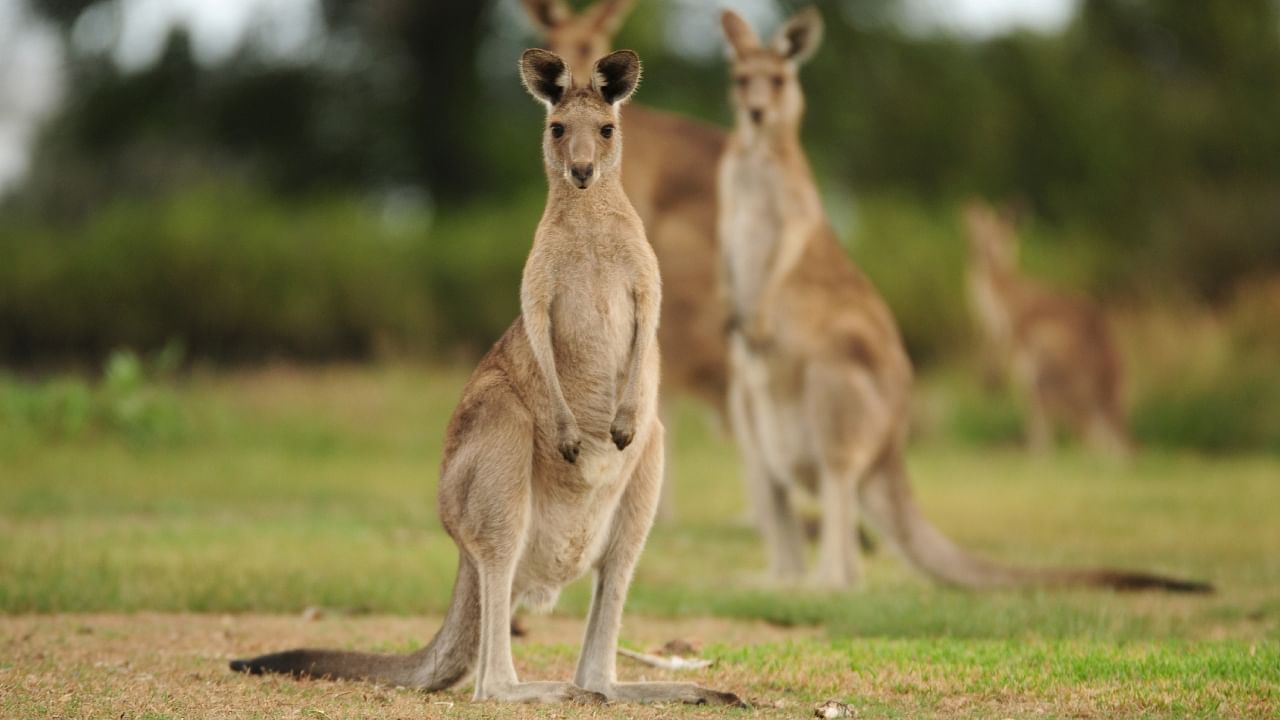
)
(1055, 348)
(819, 377)
(552, 460)
(669, 173)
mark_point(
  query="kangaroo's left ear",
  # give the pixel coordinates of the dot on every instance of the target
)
(800, 37)
(545, 76)
(616, 75)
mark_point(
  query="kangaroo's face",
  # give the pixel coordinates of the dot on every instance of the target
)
(765, 89)
(581, 38)
(581, 142)
(993, 243)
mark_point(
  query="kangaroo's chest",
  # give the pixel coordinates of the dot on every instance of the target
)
(593, 313)
(752, 225)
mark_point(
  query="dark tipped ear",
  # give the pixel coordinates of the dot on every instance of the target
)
(546, 14)
(609, 14)
(616, 75)
(545, 75)
(800, 37)
(739, 34)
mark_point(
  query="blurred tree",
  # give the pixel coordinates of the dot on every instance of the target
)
(1147, 133)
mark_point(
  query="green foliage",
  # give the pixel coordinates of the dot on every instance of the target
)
(229, 273)
(132, 401)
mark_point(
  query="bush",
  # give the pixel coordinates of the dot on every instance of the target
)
(132, 401)
(235, 275)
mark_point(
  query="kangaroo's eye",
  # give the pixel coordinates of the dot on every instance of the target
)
(606, 131)
(743, 81)
(778, 81)
(557, 130)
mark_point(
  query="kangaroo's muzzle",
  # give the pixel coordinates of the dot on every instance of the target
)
(582, 174)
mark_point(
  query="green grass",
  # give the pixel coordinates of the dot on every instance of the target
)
(289, 488)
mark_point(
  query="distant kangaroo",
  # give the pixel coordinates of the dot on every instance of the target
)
(820, 381)
(1055, 347)
(553, 458)
(669, 173)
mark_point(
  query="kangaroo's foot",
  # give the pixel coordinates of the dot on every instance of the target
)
(541, 692)
(688, 693)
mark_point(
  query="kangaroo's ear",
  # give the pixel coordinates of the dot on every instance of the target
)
(616, 75)
(800, 37)
(739, 34)
(545, 75)
(546, 14)
(609, 14)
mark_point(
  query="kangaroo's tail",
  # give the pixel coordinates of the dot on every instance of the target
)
(445, 661)
(889, 505)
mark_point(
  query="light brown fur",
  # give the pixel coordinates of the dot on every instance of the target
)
(669, 173)
(1056, 348)
(553, 458)
(820, 381)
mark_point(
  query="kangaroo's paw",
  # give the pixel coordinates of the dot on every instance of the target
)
(569, 440)
(623, 429)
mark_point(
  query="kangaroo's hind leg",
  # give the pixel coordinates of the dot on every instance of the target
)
(485, 497)
(770, 501)
(849, 422)
(597, 667)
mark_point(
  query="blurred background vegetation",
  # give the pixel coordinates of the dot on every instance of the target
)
(371, 193)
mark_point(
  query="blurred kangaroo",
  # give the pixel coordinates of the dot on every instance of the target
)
(669, 173)
(1055, 347)
(553, 458)
(819, 377)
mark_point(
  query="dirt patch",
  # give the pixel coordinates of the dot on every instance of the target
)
(153, 666)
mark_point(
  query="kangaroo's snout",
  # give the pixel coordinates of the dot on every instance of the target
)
(582, 173)
(757, 115)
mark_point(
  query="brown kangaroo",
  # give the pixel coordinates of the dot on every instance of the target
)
(553, 458)
(1054, 347)
(669, 173)
(820, 380)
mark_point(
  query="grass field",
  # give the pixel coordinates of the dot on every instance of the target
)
(133, 565)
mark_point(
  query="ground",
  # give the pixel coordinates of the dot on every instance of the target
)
(132, 568)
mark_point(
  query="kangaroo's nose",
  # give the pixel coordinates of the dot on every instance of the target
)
(757, 115)
(582, 172)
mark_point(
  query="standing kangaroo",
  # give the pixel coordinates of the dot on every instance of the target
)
(669, 174)
(553, 458)
(819, 378)
(1056, 348)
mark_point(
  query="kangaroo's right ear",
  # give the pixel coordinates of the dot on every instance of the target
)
(545, 75)
(616, 75)
(742, 38)
(546, 14)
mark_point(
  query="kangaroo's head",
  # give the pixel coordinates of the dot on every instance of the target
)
(581, 143)
(993, 242)
(765, 87)
(579, 38)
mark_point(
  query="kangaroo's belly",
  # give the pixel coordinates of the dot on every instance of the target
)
(568, 534)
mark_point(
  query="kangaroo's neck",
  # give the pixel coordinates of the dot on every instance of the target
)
(995, 295)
